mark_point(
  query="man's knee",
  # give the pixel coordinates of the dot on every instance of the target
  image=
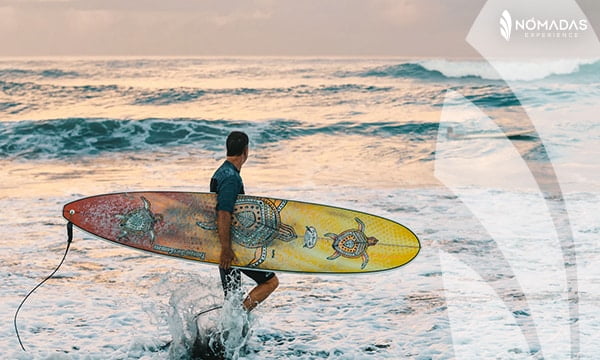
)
(273, 283)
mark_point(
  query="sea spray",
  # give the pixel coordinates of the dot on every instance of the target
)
(188, 294)
(233, 327)
(199, 323)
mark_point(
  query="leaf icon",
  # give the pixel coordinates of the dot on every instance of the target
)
(503, 33)
(505, 25)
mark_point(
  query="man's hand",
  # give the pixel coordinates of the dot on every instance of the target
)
(224, 229)
(227, 257)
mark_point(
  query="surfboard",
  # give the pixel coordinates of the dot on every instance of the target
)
(267, 233)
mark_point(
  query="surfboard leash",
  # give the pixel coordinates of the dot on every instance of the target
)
(69, 240)
(216, 307)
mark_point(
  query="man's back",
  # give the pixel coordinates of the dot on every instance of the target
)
(228, 184)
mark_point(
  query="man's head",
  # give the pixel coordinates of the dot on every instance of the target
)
(237, 143)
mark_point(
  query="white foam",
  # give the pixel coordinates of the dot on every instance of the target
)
(512, 70)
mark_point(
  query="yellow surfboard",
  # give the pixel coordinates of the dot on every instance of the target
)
(267, 233)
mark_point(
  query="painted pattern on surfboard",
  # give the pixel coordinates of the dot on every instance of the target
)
(267, 233)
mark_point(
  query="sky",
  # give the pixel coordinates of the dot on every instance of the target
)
(409, 28)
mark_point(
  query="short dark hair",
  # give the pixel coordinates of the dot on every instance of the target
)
(236, 143)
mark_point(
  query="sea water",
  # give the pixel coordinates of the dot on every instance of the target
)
(504, 204)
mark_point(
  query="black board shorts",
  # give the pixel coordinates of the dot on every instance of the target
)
(232, 279)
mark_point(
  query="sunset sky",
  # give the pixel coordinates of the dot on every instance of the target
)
(243, 27)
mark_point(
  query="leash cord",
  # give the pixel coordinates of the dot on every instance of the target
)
(69, 240)
(207, 310)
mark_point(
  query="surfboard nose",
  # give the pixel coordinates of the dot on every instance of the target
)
(70, 211)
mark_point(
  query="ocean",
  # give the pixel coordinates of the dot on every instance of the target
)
(498, 177)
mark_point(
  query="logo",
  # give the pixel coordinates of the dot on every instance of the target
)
(505, 25)
(542, 28)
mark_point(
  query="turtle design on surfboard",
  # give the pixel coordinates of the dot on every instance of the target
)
(139, 222)
(256, 224)
(352, 243)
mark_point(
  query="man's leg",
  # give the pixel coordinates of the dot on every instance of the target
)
(267, 283)
(231, 280)
(260, 293)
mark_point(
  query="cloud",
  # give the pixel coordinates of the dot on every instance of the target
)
(401, 12)
(7, 14)
(141, 6)
(240, 16)
(234, 27)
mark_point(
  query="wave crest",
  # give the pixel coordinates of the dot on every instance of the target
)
(46, 73)
(439, 70)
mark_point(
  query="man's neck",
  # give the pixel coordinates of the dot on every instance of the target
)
(237, 161)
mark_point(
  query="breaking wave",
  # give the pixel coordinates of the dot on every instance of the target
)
(62, 138)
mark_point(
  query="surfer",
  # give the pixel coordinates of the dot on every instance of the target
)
(227, 183)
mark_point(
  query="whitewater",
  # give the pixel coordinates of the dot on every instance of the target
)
(497, 177)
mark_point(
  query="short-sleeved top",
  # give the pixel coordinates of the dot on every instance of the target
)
(227, 183)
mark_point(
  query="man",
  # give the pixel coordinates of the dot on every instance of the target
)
(227, 183)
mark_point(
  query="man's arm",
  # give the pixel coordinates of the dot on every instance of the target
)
(224, 229)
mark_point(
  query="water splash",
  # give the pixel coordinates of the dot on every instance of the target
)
(200, 324)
